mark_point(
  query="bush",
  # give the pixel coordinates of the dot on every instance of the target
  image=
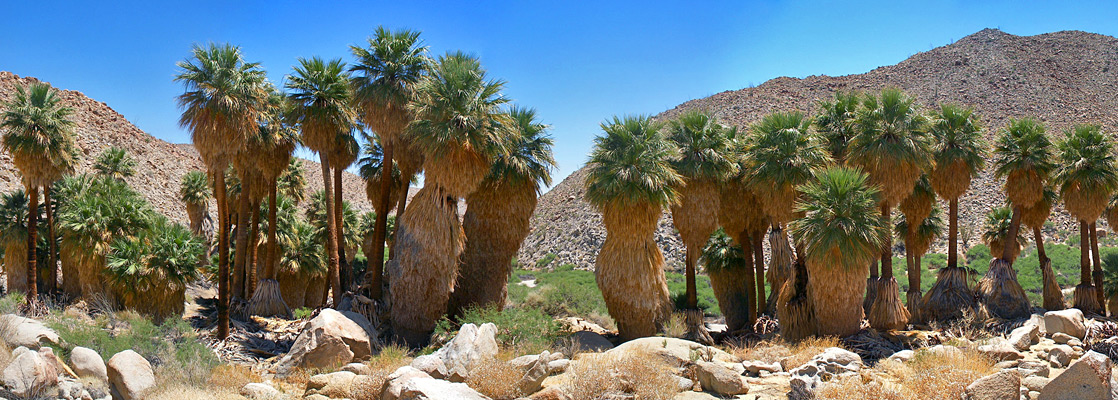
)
(527, 330)
(547, 259)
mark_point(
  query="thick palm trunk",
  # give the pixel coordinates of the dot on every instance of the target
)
(345, 272)
(1053, 296)
(52, 247)
(253, 244)
(887, 312)
(796, 305)
(268, 298)
(32, 239)
(332, 274)
(780, 265)
(751, 309)
(630, 271)
(222, 257)
(692, 295)
(495, 224)
(241, 253)
(836, 292)
(1096, 262)
(1011, 239)
(375, 274)
(953, 234)
(404, 186)
(759, 265)
(1086, 298)
(271, 257)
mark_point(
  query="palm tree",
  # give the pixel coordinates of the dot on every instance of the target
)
(344, 154)
(841, 232)
(705, 161)
(221, 107)
(914, 209)
(321, 96)
(1034, 217)
(730, 269)
(149, 271)
(38, 134)
(276, 140)
(893, 148)
(835, 123)
(741, 217)
(782, 156)
(115, 163)
(496, 221)
(292, 183)
(385, 75)
(995, 233)
(460, 129)
(630, 181)
(195, 194)
(1087, 176)
(918, 239)
(960, 152)
(13, 236)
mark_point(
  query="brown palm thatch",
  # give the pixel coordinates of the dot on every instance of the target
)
(732, 281)
(1001, 294)
(1024, 187)
(844, 286)
(780, 266)
(741, 218)
(795, 308)
(15, 266)
(695, 218)
(630, 270)
(950, 297)
(887, 312)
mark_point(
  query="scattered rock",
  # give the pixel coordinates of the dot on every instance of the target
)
(26, 332)
(328, 340)
(903, 355)
(551, 393)
(825, 366)
(559, 366)
(1032, 368)
(1000, 350)
(1004, 385)
(130, 375)
(1025, 336)
(1087, 378)
(29, 374)
(755, 367)
(677, 352)
(469, 347)
(1035, 383)
(394, 384)
(340, 385)
(437, 389)
(535, 373)
(1062, 338)
(589, 341)
(259, 391)
(1069, 322)
(1060, 356)
(87, 363)
(717, 378)
(431, 364)
(688, 395)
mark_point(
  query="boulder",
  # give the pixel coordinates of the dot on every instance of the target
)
(394, 383)
(1069, 322)
(26, 332)
(677, 352)
(715, 377)
(824, 366)
(1087, 378)
(755, 367)
(1000, 350)
(559, 366)
(260, 391)
(431, 364)
(437, 389)
(358, 368)
(471, 346)
(1004, 385)
(29, 374)
(534, 373)
(1060, 356)
(329, 340)
(589, 341)
(688, 395)
(1032, 368)
(1062, 338)
(1035, 383)
(340, 385)
(130, 375)
(88, 364)
(1023, 337)
(903, 355)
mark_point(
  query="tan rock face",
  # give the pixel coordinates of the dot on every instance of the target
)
(1087, 378)
(329, 340)
(1004, 385)
(130, 375)
(87, 363)
(29, 374)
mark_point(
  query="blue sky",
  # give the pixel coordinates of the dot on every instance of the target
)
(576, 62)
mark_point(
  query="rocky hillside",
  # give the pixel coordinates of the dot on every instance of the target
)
(160, 165)
(1062, 78)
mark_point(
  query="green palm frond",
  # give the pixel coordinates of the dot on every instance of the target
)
(529, 160)
(891, 132)
(997, 225)
(782, 151)
(386, 71)
(1086, 161)
(115, 163)
(164, 253)
(458, 107)
(195, 188)
(316, 216)
(371, 162)
(1023, 146)
(320, 97)
(292, 182)
(631, 164)
(37, 131)
(842, 223)
(106, 210)
(835, 122)
(223, 99)
(721, 253)
(931, 228)
(13, 217)
(958, 137)
(704, 148)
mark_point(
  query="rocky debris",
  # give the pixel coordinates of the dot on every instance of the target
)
(831, 363)
(1059, 78)
(87, 363)
(715, 377)
(1060, 356)
(30, 374)
(130, 375)
(471, 346)
(19, 331)
(259, 391)
(1087, 378)
(437, 389)
(756, 367)
(394, 384)
(1025, 336)
(535, 371)
(1001, 350)
(358, 368)
(1003, 385)
(590, 341)
(1068, 322)
(330, 339)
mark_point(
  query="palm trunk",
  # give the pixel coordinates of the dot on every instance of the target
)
(887, 311)
(913, 296)
(376, 265)
(32, 238)
(1011, 238)
(1097, 263)
(759, 265)
(241, 253)
(345, 273)
(270, 262)
(404, 186)
(331, 234)
(52, 247)
(750, 281)
(953, 234)
(1084, 254)
(692, 297)
(223, 257)
(1053, 296)
(253, 243)
(887, 249)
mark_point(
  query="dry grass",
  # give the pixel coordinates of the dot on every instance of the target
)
(176, 391)
(5, 355)
(675, 326)
(599, 375)
(497, 379)
(233, 376)
(788, 355)
(859, 387)
(391, 357)
(931, 376)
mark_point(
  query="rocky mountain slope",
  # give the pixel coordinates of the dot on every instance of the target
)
(1062, 78)
(159, 165)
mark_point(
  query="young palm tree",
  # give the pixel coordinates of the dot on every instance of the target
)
(195, 194)
(841, 231)
(344, 154)
(1034, 217)
(727, 264)
(914, 209)
(496, 221)
(370, 168)
(782, 155)
(38, 134)
(630, 181)
(893, 148)
(995, 233)
(460, 128)
(705, 161)
(13, 236)
(835, 123)
(221, 107)
(321, 96)
(385, 75)
(960, 153)
(149, 271)
(1087, 176)
(115, 163)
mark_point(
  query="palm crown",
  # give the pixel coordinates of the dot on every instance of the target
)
(782, 155)
(13, 217)
(704, 148)
(835, 122)
(721, 253)
(631, 164)
(958, 149)
(384, 75)
(529, 160)
(841, 220)
(195, 188)
(320, 97)
(38, 134)
(1087, 173)
(1023, 155)
(891, 144)
(115, 163)
(996, 229)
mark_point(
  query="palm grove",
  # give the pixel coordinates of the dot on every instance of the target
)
(831, 193)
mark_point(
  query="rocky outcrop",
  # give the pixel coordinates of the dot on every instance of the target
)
(19, 331)
(330, 339)
(1087, 378)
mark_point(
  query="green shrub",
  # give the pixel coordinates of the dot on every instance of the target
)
(302, 312)
(527, 330)
(677, 287)
(546, 260)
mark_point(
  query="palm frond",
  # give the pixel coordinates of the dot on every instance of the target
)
(321, 98)
(841, 222)
(704, 148)
(631, 164)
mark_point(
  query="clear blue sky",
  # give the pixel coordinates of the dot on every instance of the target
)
(576, 62)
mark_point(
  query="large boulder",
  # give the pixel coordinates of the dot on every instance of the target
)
(341, 385)
(716, 378)
(437, 389)
(88, 364)
(30, 373)
(1025, 336)
(130, 376)
(1087, 378)
(329, 340)
(1004, 385)
(470, 347)
(1000, 350)
(431, 364)
(260, 391)
(677, 352)
(25, 332)
(825, 366)
(589, 341)
(1069, 322)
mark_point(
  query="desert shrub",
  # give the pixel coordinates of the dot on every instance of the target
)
(943, 375)
(497, 379)
(566, 291)
(675, 326)
(858, 387)
(389, 358)
(302, 312)
(527, 330)
(546, 260)
(789, 355)
(178, 390)
(232, 376)
(9, 304)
